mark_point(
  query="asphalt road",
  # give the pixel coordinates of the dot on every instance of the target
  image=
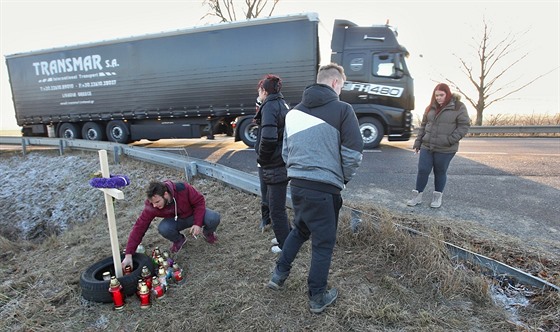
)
(510, 185)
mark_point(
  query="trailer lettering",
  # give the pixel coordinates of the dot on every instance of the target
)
(68, 65)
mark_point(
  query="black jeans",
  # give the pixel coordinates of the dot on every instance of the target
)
(273, 197)
(170, 229)
(316, 216)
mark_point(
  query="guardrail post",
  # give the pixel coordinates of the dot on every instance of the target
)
(24, 146)
(61, 147)
(190, 170)
(355, 220)
(116, 154)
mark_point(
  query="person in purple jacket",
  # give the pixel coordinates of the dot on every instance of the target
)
(181, 207)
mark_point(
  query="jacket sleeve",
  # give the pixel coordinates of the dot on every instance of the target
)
(198, 204)
(269, 133)
(139, 230)
(421, 132)
(351, 144)
(463, 124)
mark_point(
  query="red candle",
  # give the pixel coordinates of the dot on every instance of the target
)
(157, 288)
(147, 276)
(116, 291)
(144, 296)
(178, 274)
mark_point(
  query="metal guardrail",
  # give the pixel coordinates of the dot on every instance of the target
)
(509, 130)
(514, 130)
(250, 184)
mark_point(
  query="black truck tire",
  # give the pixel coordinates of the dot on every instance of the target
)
(93, 131)
(95, 289)
(372, 132)
(70, 131)
(248, 131)
(118, 131)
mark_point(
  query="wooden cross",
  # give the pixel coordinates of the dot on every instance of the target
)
(109, 194)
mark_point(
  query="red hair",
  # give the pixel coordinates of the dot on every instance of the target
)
(440, 87)
(271, 84)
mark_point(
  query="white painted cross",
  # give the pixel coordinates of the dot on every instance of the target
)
(109, 194)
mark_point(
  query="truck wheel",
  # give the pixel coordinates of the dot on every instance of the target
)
(93, 131)
(372, 132)
(248, 132)
(95, 289)
(70, 131)
(117, 131)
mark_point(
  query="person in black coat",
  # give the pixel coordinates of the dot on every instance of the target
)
(270, 119)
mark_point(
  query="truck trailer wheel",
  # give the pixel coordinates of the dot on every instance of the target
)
(93, 131)
(372, 132)
(248, 132)
(117, 131)
(95, 289)
(70, 131)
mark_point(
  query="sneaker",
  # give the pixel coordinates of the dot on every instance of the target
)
(274, 242)
(211, 237)
(416, 198)
(177, 245)
(319, 302)
(276, 282)
(276, 249)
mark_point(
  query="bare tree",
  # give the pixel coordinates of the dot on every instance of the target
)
(226, 11)
(495, 59)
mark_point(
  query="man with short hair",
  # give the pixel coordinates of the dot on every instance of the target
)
(322, 150)
(181, 207)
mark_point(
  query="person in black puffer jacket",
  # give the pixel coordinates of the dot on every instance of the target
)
(270, 118)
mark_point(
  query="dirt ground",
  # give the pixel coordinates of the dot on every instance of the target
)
(55, 226)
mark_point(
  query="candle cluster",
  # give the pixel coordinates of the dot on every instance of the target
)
(149, 286)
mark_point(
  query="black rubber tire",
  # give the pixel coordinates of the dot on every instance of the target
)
(95, 289)
(70, 131)
(248, 132)
(93, 131)
(118, 131)
(372, 132)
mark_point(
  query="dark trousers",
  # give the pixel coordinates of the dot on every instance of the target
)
(437, 161)
(274, 198)
(315, 216)
(170, 229)
(265, 211)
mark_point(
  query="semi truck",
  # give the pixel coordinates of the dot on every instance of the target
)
(202, 81)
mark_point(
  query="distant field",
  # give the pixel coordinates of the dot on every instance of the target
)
(15, 132)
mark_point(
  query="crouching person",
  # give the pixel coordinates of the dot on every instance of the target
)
(181, 207)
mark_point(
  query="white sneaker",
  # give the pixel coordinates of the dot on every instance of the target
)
(276, 249)
(416, 198)
(274, 242)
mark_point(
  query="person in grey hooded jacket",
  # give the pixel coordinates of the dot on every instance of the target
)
(445, 122)
(322, 150)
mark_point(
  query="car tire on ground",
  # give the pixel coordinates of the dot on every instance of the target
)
(95, 289)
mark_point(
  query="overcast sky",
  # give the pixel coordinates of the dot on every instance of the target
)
(432, 31)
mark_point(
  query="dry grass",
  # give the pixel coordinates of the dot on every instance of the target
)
(388, 279)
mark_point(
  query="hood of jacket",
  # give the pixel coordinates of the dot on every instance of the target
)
(317, 95)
